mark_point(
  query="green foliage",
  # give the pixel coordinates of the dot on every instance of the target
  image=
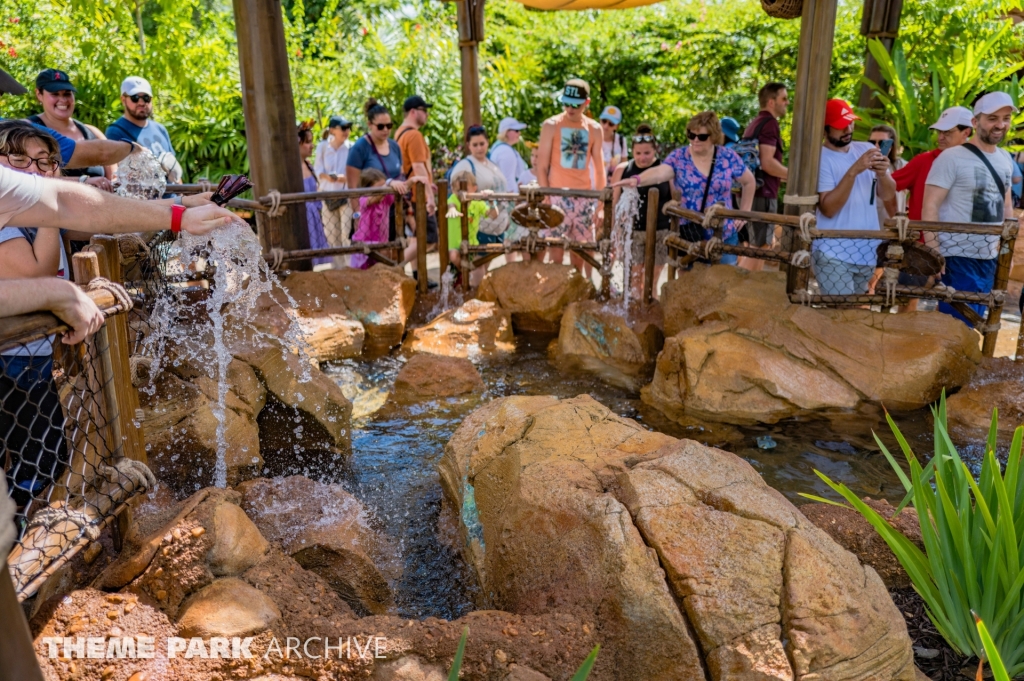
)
(973, 533)
(995, 660)
(581, 674)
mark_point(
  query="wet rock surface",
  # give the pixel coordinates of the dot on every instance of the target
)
(427, 377)
(737, 350)
(999, 384)
(535, 293)
(474, 329)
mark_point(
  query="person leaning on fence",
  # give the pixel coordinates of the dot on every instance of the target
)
(971, 183)
(314, 223)
(515, 171)
(645, 155)
(377, 150)
(329, 166)
(476, 210)
(569, 156)
(773, 99)
(416, 162)
(851, 178)
(702, 174)
(489, 178)
(373, 213)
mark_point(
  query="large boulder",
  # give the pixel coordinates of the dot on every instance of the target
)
(999, 385)
(332, 337)
(535, 293)
(325, 529)
(228, 607)
(181, 429)
(381, 298)
(528, 477)
(854, 533)
(473, 329)
(327, 336)
(737, 350)
(427, 377)
(620, 348)
(564, 506)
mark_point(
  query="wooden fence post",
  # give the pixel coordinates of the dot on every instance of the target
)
(1003, 263)
(442, 225)
(466, 269)
(420, 203)
(650, 254)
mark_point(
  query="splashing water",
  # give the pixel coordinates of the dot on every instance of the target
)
(627, 212)
(140, 176)
(240, 276)
(449, 298)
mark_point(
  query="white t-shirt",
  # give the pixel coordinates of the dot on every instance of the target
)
(612, 148)
(330, 160)
(44, 347)
(18, 193)
(973, 197)
(858, 213)
(511, 165)
(488, 176)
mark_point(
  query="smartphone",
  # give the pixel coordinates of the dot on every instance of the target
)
(885, 146)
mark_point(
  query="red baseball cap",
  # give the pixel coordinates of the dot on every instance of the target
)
(839, 114)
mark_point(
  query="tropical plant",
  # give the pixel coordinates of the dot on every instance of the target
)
(995, 660)
(581, 674)
(973, 533)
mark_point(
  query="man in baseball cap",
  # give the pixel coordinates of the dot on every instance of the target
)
(136, 125)
(853, 176)
(576, 93)
(971, 183)
(416, 161)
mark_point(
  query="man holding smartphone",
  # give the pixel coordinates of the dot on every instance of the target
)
(852, 177)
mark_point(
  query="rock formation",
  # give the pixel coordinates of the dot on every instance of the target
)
(690, 563)
(473, 329)
(535, 293)
(737, 350)
(998, 385)
(428, 377)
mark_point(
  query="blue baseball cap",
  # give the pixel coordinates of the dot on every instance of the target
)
(53, 80)
(612, 114)
(575, 93)
(731, 129)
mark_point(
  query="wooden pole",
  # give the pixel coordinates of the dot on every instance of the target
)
(671, 271)
(471, 32)
(881, 20)
(817, 33)
(15, 638)
(650, 245)
(270, 127)
(995, 313)
(421, 235)
(442, 225)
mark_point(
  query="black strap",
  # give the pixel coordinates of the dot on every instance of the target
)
(404, 130)
(995, 176)
(758, 129)
(711, 173)
(380, 158)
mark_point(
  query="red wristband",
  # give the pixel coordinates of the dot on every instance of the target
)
(176, 213)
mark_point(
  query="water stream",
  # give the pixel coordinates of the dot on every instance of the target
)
(627, 211)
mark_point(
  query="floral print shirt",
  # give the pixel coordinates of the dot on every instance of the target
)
(690, 182)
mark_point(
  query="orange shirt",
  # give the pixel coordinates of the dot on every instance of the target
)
(572, 153)
(414, 148)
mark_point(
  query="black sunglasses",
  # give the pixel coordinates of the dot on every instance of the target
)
(385, 126)
(643, 138)
(703, 137)
(145, 98)
(346, 128)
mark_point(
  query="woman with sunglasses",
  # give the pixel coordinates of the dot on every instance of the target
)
(703, 173)
(645, 155)
(376, 149)
(56, 94)
(489, 178)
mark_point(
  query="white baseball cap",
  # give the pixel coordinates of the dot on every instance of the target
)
(952, 117)
(136, 85)
(992, 102)
(510, 123)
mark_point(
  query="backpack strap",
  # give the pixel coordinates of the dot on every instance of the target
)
(399, 136)
(758, 129)
(995, 176)
(711, 174)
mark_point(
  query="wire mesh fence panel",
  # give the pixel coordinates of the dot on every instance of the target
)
(62, 452)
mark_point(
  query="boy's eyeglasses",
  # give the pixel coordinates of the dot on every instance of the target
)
(385, 126)
(145, 98)
(22, 162)
(703, 137)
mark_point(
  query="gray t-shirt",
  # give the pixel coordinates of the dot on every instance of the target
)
(973, 197)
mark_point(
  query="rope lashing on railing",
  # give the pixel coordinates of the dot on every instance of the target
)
(138, 473)
(712, 248)
(893, 256)
(530, 191)
(205, 185)
(803, 297)
(890, 277)
(277, 255)
(711, 216)
(605, 247)
(801, 259)
(464, 249)
(136, 362)
(795, 200)
(366, 248)
(124, 301)
(531, 243)
(276, 210)
(945, 289)
(51, 516)
(132, 246)
(902, 226)
(404, 241)
(1008, 226)
(984, 329)
(807, 220)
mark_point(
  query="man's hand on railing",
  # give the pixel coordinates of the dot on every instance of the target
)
(49, 294)
(80, 312)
